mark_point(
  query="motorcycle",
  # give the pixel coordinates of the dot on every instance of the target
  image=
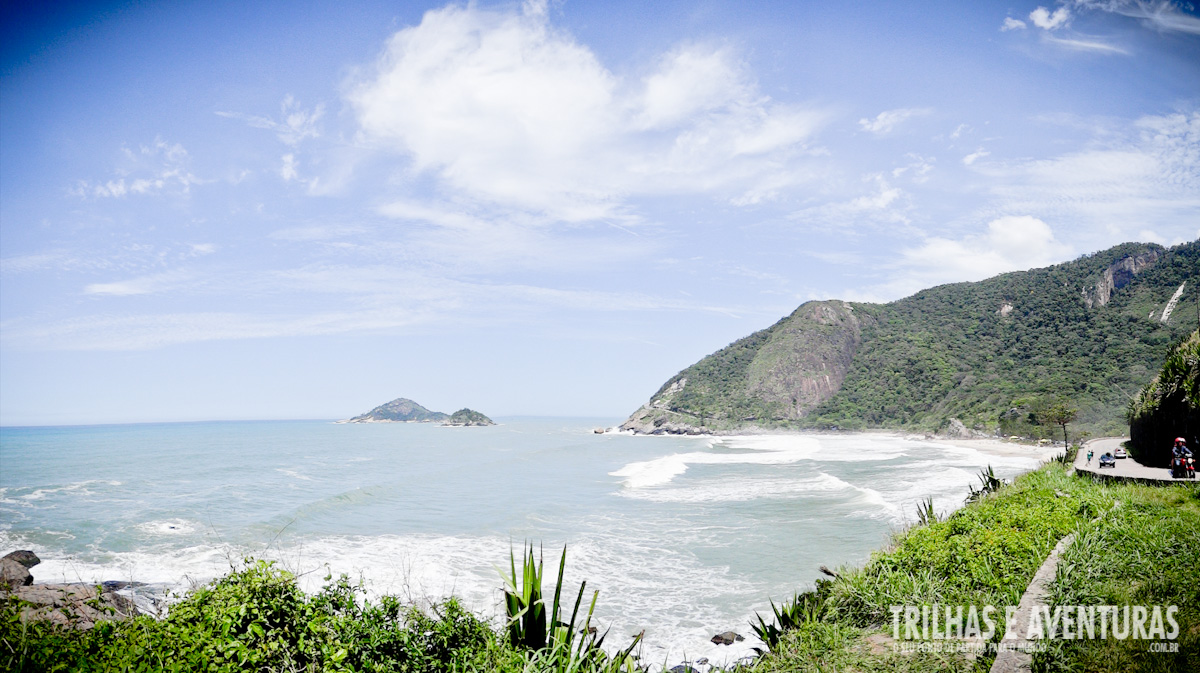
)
(1183, 467)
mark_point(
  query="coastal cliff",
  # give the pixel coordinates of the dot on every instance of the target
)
(952, 356)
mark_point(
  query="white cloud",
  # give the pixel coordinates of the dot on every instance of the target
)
(375, 299)
(160, 167)
(1160, 15)
(975, 156)
(1092, 45)
(918, 170)
(1012, 24)
(153, 284)
(287, 171)
(886, 121)
(295, 124)
(1146, 176)
(885, 205)
(515, 112)
(1009, 243)
(1044, 19)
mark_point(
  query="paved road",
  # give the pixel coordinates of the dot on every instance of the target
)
(1126, 467)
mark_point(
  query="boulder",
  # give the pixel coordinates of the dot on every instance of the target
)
(24, 557)
(13, 575)
(727, 638)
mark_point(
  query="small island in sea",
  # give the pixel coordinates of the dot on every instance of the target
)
(465, 417)
(404, 410)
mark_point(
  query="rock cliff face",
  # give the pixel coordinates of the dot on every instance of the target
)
(1117, 276)
(784, 371)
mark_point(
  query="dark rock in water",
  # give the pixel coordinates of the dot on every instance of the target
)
(727, 638)
(683, 668)
(24, 557)
(13, 575)
(117, 585)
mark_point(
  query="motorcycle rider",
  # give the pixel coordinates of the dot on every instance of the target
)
(1179, 454)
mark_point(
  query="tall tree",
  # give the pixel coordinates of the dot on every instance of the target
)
(1055, 411)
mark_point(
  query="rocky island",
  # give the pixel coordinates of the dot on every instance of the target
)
(467, 417)
(404, 410)
(400, 410)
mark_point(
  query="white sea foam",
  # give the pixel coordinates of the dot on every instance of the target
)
(759, 451)
(741, 489)
(168, 527)
(76, 488)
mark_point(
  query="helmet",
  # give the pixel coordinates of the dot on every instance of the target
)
(1180, 440)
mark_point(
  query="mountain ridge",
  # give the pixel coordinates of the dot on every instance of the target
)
(1090, 329)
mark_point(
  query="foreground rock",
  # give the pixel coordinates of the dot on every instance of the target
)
(727, 638)
(75, 605)
(78, 606)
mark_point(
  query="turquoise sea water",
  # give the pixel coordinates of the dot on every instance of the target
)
(684, 537)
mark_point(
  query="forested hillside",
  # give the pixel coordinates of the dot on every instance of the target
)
(1091, 330)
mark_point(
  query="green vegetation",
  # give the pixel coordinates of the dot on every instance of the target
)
(257, 619)
(1134, 545)
(1089, 330)
(1169, 406)
(400, 410)
(468, 417)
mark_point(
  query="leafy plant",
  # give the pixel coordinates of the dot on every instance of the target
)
(926, 514)
(789, 615)
(988, 483)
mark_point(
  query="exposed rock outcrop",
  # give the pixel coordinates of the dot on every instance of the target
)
(787, 371)
(75, 605)
(1117, 276)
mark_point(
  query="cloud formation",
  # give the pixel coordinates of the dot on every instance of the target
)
(1044, 19)
(160, 167)
(516, 113)
(885, 122)
(294, 125)
(1009, 243)
(1161, 15)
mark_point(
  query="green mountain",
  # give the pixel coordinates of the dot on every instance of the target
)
(1093, 330)
(468, 417)
(401, 410)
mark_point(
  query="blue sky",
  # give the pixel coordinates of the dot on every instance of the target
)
(225, 210)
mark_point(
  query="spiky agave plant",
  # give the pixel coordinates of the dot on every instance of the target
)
(926, 514)
(528, 625)
(789, 615)
(523, 602)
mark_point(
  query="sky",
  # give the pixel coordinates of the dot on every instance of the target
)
(273, 210)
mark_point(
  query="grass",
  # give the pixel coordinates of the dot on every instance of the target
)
(1144, 551)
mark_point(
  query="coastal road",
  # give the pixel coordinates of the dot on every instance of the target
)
(1126, 467)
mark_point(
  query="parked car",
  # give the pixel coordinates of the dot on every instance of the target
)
(1120, 453)
(1107, 460)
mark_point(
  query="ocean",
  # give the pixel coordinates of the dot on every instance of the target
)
(684, 537)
